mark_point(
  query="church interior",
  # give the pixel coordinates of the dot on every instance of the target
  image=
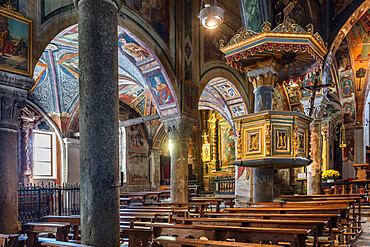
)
(184, 123)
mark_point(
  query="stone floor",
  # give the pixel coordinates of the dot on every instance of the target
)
(364, 239)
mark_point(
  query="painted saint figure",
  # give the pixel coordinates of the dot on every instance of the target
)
(162, 91)
(134, 50)
(347, 89)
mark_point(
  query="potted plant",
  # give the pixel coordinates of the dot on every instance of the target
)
(330, 175)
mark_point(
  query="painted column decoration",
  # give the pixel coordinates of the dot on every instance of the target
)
(179, 128)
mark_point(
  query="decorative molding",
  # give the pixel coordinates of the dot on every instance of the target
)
(17, 81)
(287, 26)
(268, 139)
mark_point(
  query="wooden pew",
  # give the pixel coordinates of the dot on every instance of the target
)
(74, 220)
(296, 237)
(228, 200)
(200, 243)
(210, 201)
(60, 229)
(9, 240)
(331, 218)
(125, 201)
(317, 226)
(53, 243)
(200, 207)
(138, 236)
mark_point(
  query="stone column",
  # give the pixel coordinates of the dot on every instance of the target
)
(263, 80)
(98, 88)
(314, 169)
(13, 91)
(155, 169)
(179, 128)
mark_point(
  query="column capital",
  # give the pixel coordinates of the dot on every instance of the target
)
(179, 126)
(264, 73)
(116, 3)
(12, 100)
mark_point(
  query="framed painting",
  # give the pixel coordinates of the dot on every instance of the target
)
(15, 43)
(189, 98)
(226, 144)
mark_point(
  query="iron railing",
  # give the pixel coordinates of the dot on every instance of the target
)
(36, 201)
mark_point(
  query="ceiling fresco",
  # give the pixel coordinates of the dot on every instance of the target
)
(222, 96)
(143, 83)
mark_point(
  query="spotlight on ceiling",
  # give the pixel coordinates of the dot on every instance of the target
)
(211, 16)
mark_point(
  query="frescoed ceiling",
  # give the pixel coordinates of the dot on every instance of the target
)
(143, 83)
(352, 60)
(222, 96)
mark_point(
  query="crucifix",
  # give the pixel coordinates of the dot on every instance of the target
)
(317, 85)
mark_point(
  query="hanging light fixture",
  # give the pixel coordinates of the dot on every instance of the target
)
(211, 16)
(342, 143)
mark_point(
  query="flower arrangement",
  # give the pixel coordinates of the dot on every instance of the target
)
(330, 174)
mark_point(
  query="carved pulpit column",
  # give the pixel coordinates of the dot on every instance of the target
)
(263, 76)
(315, 168)
(13, 93)
(179, 128)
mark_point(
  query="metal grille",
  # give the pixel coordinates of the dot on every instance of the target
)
(36, 201)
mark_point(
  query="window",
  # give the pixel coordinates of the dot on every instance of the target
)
(44, 154)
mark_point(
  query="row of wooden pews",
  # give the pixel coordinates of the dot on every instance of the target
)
(328, 222)
(318, 221)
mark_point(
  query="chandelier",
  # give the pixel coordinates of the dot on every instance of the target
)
(211, 16)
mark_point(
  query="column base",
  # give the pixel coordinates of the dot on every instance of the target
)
(263, 185)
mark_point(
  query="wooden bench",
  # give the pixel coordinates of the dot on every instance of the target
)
(53, 243)
(74, 220)
(125, 201)
(317, 226)
(138, 237)
(200, 207)
(296, 237)
(60, 229)
(228, 200)
(197, 242)
(9, 239)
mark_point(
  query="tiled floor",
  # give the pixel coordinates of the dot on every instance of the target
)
(364, 239)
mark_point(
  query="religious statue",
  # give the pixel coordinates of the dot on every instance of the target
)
(281, 144)
(253, 143)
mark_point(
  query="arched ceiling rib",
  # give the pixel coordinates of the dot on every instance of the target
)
(222, 96)
(143, 83)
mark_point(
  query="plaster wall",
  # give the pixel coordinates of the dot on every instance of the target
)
(72, 147)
